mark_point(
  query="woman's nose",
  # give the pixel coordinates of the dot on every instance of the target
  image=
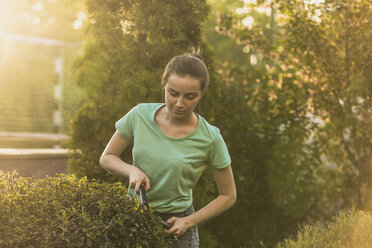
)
(179, 102)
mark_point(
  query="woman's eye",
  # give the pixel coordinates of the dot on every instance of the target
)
(190, 97)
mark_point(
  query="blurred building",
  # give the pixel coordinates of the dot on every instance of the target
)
(39, 40)
(38, 43)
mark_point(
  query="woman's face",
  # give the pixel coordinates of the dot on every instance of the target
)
(182, 94)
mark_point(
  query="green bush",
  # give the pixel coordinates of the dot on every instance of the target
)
(351, 229)
(66, 212)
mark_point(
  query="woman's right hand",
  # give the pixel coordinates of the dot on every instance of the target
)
(138, 177)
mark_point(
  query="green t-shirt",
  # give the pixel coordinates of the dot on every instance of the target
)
(173, 165)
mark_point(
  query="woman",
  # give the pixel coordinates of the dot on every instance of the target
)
(172, 146)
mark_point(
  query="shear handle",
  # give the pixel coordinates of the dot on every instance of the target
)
(143, 197)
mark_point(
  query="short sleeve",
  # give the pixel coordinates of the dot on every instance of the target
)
(126, 124)
(219, 155)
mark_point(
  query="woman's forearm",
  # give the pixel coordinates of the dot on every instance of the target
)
(226, 199)
(213, 209)
(115, 165)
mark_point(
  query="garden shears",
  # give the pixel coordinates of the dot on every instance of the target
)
(143, 198)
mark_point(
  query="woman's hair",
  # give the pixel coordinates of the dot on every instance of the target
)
(187, 65)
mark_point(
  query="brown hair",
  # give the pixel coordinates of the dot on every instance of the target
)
(187, 65)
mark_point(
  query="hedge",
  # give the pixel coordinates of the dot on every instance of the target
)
(63, 211)
(350, 229)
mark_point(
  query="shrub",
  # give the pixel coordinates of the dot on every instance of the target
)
(66, 212)
(350, 229)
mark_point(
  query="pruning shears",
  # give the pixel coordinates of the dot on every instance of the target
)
(143, 198)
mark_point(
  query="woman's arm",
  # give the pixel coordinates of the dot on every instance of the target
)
(111, 162)
(226, 199)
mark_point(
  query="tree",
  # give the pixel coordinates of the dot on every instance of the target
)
(328, 44)
(335, 52)
(225, 47)
(315, 83)
(276, 167)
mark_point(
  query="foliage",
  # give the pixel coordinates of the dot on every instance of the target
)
(286, 130)
(276, 168)
(225, 47)
(328, 45)
(335, 55)
(263, 116)
(66, 212)
(349, 229)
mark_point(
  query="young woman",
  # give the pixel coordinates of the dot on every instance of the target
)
(172, 146)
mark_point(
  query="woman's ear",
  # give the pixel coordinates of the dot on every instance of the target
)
(196, 109)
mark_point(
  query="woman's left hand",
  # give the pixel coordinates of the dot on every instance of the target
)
(179, 226)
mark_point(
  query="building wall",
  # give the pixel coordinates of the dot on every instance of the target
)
(36, 163)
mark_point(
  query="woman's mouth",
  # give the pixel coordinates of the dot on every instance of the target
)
(178, 111)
